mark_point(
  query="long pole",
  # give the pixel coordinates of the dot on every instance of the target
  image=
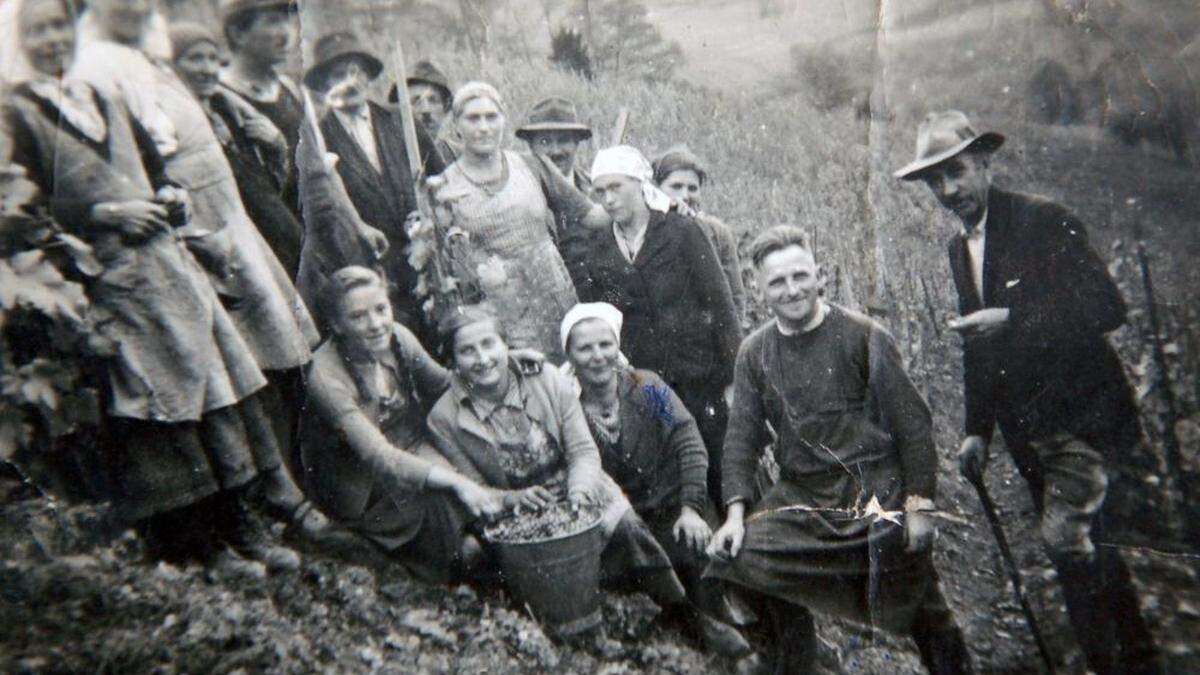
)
(1010, 564)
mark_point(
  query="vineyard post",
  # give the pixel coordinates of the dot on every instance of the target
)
(1170, 414)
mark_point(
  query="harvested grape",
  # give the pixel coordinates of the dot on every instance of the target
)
(557, 520)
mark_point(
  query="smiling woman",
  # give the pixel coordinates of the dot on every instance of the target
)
(520, 216)
(367, 456)
(256, 150)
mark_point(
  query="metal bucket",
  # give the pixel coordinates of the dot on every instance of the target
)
(557, 577)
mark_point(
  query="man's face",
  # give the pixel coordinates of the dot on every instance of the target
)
(428, 105)
(961, 184)
(791, 284)
(558, 146)
(347, 82)
(266, 37)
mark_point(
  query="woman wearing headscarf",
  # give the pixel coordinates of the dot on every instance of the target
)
(525, 434)
(116, 58)
(367, 453)
(182, 381)
(648, 442)
(659, 269)
(517, 213)
(257, 151)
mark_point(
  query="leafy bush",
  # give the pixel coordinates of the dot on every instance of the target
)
(47, 330)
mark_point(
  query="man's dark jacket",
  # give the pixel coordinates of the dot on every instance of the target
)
(1052, 369)
(383, 200)
(680, 321)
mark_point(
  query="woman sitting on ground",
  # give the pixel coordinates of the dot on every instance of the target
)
(649, 444)
(525, 434)
(661, 271)
(365, 448)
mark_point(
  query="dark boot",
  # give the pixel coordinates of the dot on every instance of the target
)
(943, 651)
(794, 636)
(1088, 607)
(718, 638)
(236, 528)
(1138, 653)
(938, 637)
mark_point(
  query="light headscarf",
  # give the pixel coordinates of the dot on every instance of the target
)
(14, 65)
(72, 98)
(473, 90)
(626, 160)
(611, 316)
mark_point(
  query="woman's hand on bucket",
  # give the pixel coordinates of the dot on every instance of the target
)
(532, 499)
(481, 502)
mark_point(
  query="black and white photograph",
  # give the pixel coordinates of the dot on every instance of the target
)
(747, 337)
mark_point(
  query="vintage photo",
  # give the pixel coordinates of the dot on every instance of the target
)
(600, 336)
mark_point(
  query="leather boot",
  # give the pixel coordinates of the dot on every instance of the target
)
(718, 638)
(1088, 607)
(1138, 653)
(794, 634)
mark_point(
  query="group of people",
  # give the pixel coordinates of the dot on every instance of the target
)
(259, 368)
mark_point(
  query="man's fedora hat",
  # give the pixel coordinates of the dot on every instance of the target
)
(231, 10)
(425, 72)
(943, 135)
(334, 48)
(553, 114)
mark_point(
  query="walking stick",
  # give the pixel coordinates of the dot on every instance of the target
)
(989, 510)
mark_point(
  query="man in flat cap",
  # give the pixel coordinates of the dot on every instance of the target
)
(430, 96)
(554, 131)
(373, 160)
(1036, 302)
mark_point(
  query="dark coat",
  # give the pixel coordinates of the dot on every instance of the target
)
(383, 200)
(660, 461)
(262, 174)
(680, 319)
(1052, 369)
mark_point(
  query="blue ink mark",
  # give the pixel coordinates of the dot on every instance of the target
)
(659, 399)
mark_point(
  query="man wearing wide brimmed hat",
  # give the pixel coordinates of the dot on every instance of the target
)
(429, 95)
(553, 131)
(261, 38)
(373, 161)
(1036, 302)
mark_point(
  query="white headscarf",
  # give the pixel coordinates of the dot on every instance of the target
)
(583, 311)
(14, 66)
(591, 310)
(626, 160)
(72, 98)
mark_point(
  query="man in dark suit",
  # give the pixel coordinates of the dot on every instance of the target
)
(1036, 302)
(373, 160)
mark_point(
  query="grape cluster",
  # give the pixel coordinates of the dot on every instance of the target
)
(555, 521)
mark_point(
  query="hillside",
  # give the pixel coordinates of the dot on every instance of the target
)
(73, 596)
